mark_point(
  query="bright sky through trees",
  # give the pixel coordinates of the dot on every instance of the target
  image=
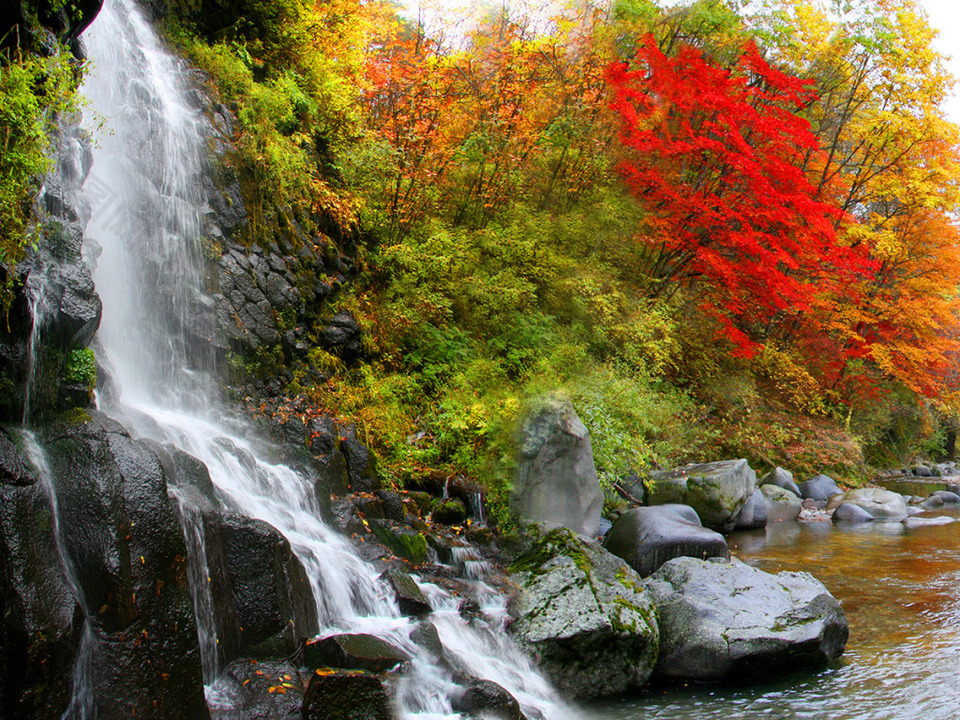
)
(945, 17)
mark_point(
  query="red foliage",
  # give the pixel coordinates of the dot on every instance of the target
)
(717, 164)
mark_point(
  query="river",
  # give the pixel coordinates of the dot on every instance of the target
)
(899, 589)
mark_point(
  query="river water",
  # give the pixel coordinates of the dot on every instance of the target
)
(901, 592)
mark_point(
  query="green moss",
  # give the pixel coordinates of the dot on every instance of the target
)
(557, 542)
(80, 368)
(408, 545)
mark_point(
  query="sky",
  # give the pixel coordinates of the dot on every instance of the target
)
(945, 17)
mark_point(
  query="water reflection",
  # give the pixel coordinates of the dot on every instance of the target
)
(899, 590)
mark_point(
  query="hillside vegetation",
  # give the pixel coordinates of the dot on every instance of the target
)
(722, 232)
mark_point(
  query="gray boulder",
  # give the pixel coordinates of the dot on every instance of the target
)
(848, 512)
(753, 515)
(583, 615)
(646, 537)
(781, 504)
(717, 490)
(918, 522)
(782, 479)
(556, 480)
(949, 498)
(878, 503)
(730, 620)
(820, 488)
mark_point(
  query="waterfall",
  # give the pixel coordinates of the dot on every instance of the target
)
(148, 217)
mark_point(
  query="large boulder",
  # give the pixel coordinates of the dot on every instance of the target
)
(717, 490)
(583, 615)
(782, 479)
(781, 504)
(879, 504)
(753, 515)
(820, 488)
(358, 651)
(730, 620)
(850, 513)
(556, 480)
(646, 537)
(270, 591)
(40, 620)
(126, 552)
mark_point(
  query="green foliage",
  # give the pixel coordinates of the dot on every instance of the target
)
(33, 90)
(80, 368)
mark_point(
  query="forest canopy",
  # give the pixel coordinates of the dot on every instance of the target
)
(720, 227)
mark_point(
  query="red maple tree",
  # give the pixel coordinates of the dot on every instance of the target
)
(715, 157)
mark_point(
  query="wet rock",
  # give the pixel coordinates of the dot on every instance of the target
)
(343, 336)
(753, 515)
(357, 651)
(426, 636)
(851, 513)
(647, 537)
(487, 699)
(40, 622)
(782, 479)
(346, 695)
(14, 469)
(932, 502)
(556, 480)
(361, 464)
(408, 594)
(922, 471)
(127, 546)
(270, 592)
(717, 490)
(733, 621)
(449, 511)
(253, 687)
(392, 505)
(820, 488)
(878, 503)
(781, 503)
(583, 615)
(403, 541)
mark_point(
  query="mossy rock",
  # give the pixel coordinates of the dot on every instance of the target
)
(449, 511)
(404, 542)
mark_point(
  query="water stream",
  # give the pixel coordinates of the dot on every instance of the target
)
(147, 215)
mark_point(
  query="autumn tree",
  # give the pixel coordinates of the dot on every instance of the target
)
(890, 162)
(718, 163)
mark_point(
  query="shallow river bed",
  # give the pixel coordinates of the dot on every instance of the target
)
(901, 592)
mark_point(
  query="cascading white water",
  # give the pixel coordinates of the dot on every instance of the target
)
(147, 216)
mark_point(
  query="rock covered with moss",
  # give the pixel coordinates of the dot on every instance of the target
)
(718, 491)
(583, 615)
(732, 621)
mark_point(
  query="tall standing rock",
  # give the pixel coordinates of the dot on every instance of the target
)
(556, 480)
